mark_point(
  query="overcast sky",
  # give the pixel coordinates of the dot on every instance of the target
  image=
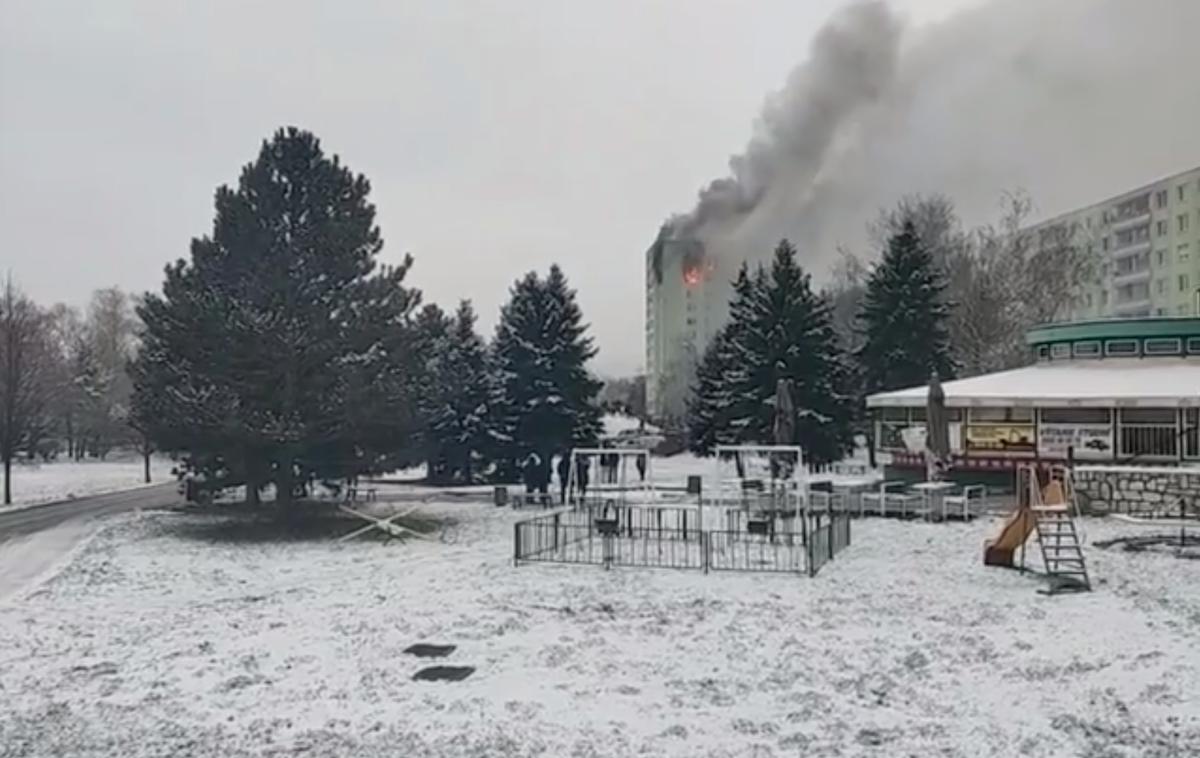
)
(498, 136)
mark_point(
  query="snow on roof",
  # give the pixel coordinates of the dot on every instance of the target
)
(1145, 382)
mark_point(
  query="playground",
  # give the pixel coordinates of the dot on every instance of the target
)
(152, 642)
(753, 512)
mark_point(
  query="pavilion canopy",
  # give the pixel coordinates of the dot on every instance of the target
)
(1106, 383)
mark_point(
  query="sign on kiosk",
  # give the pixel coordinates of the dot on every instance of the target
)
(1000, 438)
(1091, 441)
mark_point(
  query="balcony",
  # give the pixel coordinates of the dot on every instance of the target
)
(1131, 277)
(1130, 248)
(1132, 308)
(1118, 223)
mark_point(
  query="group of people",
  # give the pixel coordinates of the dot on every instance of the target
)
(536, 472)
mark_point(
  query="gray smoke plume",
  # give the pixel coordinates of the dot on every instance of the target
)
(1070, 100)
(852, 61)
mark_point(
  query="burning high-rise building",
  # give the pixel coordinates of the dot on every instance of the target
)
(687, 300)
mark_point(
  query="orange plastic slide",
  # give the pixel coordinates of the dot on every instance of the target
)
(1000, 551)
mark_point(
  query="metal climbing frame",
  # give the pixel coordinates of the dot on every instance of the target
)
(760, 478)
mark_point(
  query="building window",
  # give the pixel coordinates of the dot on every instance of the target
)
(1183, 282)
(1060, 350)
(1162, 257)
(1161, 228)
(1183, 222)
(1001, 415)
(1161, 286)
(1193, 345)
(1043, 352)
(1130, 293)
(1121, 347)
(1182, 253)
(1163, 346)
(1180, 191)
(1075, 416)
(1104, 243)
(1149, 432)
(1103, 298)
(1089, 300)
(1160, 199)
(1088, 349)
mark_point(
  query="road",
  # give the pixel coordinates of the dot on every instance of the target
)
(37, 518)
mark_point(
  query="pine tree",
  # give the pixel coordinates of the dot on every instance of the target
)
(778, 329)
(793, 338)
(431, 329)
(904, 318)
(718, 393)
(458, 402)
(279, 351)
(544, 398)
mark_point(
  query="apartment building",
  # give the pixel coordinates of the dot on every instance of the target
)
(1147, 247)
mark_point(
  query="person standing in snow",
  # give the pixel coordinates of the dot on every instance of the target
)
(564, 475)
(531, 472)
(609, 463)
(581, 476)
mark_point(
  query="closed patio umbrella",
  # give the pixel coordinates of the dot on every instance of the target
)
(937, 429)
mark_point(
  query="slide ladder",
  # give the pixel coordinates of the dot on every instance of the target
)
(1058, 538)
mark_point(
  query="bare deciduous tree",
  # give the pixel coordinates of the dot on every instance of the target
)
(1002, 278)
(1013, 278)
(24, 376)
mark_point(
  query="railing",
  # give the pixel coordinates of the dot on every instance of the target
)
(547, 539)
(649, 537)
(1146, 441)
(828, 536)
(743, 551)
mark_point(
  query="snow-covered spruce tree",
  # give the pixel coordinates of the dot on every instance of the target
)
(778, 329)
(904, 318)
(720, 388)
(279, 351)
(792, 337)
(457, 420)
(545, 397)
(431, 328)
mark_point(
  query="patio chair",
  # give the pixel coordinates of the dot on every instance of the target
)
(888, 498)
(960, 504)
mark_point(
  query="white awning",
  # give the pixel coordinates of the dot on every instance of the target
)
(1106, 383)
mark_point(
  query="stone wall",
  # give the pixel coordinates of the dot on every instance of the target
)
(1136, 489)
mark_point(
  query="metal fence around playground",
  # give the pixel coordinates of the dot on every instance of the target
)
(674, 537)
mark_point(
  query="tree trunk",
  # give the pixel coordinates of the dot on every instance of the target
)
(252, 485)
(285, 481)
(8, 480)
(146, 464)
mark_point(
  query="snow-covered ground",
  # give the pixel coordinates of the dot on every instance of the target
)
(155, 641)
(63, 480)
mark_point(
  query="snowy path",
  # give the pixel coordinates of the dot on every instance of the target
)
(23, 560)
(156, 641)
(35, 483)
